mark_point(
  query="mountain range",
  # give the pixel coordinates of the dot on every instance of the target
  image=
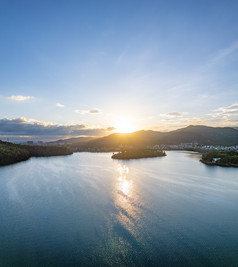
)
(203, 135)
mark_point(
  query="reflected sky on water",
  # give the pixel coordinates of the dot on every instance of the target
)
(87, 209)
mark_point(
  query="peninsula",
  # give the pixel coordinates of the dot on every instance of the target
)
(221, 158)
(12, 153)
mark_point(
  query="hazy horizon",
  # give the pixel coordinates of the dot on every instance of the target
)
(53, 134)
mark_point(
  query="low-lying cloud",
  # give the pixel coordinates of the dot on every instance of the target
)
(37, 130)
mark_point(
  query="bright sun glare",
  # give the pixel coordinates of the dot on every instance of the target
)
(125, 126)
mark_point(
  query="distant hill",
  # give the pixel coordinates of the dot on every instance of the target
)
(139, 139)
(203, 135)
(74, 140)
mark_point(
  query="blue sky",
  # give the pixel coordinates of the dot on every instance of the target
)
(159, 64)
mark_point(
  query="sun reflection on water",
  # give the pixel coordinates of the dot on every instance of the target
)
(124, 184)
(127, 202)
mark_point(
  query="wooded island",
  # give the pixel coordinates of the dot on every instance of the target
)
(139, 153)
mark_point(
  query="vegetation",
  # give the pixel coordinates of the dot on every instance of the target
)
(138, 153)
(47, 151)
(221, 158)
(12, 153)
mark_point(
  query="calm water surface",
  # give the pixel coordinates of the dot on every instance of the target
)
(87, 209)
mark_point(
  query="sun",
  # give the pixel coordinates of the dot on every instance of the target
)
(125, 126)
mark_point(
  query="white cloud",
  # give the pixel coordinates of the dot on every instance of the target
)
(176, 114)
(59, 105)
(92, 111)
(225, 112)
(20, 97)
(173, 114)
(228, 110)
(224, 116)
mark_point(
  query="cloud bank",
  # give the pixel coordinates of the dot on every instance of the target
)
(36, 130)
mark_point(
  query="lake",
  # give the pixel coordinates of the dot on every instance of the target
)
(87, 209)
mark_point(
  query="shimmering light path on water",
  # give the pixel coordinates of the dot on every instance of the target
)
(87, 209)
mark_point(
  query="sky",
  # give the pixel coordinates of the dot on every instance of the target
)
(90, 68)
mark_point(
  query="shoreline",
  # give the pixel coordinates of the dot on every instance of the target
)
(13, 153)
(217, 164)
(22, 160)
(208, 163)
